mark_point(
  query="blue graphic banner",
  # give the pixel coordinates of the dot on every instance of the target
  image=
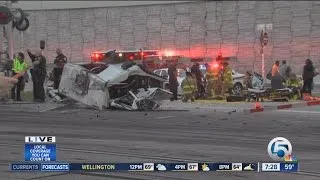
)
(289, 167)
(109, 167)
(40, 152)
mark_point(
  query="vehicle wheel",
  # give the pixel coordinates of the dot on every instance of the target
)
(237, 88)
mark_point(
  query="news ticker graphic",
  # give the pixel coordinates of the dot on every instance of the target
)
(40, 148)
(279, 167)
(182, 167)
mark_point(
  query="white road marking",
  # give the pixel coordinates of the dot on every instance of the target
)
(164, 117)
(295, 111)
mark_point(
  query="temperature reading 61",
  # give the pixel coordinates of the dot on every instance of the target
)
(289, 166)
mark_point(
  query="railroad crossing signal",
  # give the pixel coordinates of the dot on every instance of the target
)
(20, 21)
(5, 15)
(18, 18)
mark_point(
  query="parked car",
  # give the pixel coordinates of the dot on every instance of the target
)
(164, 73)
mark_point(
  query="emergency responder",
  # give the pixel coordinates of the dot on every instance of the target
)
(19, 66)
(309, 72)
(195, 69)
(212, 78)
(59, 62)
(285, 71)
(227, 81)
(294, 83)
(189, 87)
(276, 78)
(247, 84)
(173, 81)
(247, 81)
(38, 74)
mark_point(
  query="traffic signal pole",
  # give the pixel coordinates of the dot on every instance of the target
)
(264, 42)
(262, 61)
(9, 34)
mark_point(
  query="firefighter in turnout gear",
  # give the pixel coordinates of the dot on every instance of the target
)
(227, 80)
(212, 77)
(295, 84)
(19, 66)
(189, 87)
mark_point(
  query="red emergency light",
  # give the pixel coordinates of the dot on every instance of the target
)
(96, 57)
(5, 15)
(168, 53)
(215, 65)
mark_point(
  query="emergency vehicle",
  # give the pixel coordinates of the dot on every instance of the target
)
(154, 59)
(130, 55)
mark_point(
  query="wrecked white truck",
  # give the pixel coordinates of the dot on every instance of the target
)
(124, 85)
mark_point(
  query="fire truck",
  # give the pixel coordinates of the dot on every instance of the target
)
(128, 55)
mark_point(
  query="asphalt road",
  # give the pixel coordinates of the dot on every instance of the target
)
(85, 135)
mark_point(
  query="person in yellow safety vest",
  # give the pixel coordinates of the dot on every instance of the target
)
(295, 83)
(212, 77)
(189, 87)
(19, 67)
(227, 80)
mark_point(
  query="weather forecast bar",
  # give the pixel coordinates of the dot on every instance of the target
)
(106, 167)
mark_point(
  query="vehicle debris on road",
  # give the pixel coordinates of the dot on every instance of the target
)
(123, 85)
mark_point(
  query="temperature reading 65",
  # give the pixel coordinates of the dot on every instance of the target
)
(289, 166)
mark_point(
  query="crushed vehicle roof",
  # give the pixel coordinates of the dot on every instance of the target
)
(116, 73)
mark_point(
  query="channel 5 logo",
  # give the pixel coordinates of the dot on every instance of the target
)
(280, 149)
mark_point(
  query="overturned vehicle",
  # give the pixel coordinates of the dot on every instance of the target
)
(124, 85)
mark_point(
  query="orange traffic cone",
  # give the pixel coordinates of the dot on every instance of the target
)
(306, 97)
(257, 105)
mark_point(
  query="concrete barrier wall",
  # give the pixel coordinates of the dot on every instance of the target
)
(50, 5)
(197, 29)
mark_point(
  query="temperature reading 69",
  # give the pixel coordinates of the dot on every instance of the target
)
(288, 166)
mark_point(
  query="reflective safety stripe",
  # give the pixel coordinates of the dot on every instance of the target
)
(188, 89)
(188, 86)
(227, 76)
(294, 84)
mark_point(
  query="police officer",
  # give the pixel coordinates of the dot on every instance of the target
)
(173, 81)
(189, 87)
(59, 62)
(38, 73)
(19, 66)
(226, 78)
